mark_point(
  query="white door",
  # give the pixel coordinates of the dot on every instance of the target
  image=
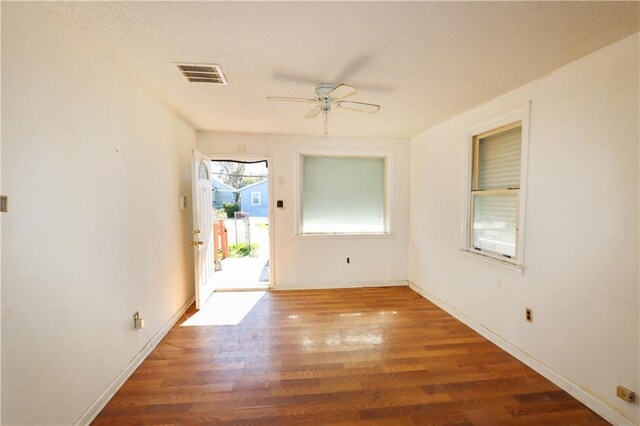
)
(202, 227)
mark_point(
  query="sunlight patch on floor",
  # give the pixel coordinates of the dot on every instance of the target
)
(226, 308)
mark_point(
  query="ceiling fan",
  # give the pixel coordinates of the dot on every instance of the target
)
(328, 94)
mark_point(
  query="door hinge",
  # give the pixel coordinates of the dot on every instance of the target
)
(4, 203)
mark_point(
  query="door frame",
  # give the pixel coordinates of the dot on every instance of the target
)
(268, 159)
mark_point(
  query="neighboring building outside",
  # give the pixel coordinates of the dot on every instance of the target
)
(254, 199)
(222, 193)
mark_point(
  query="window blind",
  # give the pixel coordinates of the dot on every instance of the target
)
(495, 192)
(499, 160)
(494, 223)
(343, 195)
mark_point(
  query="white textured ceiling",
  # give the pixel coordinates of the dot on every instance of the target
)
(422, 61)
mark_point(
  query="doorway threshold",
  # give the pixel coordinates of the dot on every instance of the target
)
(252, 288)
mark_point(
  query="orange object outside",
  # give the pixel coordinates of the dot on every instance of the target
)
(220, 240)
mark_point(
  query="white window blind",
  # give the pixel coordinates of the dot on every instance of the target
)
(495, 192)
(343, 195)
(499, 160)
(494, 223)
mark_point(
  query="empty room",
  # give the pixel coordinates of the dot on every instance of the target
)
(322, 213)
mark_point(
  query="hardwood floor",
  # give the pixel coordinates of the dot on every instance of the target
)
(371, 356)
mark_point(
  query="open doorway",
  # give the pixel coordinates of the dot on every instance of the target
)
(240, 198)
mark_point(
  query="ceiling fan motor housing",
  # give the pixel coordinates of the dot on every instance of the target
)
(323, 90)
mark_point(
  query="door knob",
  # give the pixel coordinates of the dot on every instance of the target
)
(196, 243)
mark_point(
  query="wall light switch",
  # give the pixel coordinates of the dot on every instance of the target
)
(182, 202)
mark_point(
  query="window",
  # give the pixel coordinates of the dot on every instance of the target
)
(255, 198)
(343, 195)
(494, 214)
(203, 171)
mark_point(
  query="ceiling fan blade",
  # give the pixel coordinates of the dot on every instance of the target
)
(353, 67)
(314, 112)
(342, 91)
(358, 106)
(285, 99)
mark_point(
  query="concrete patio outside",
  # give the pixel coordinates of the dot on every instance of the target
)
(250, 271)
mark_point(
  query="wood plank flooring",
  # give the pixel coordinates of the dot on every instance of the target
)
(376, 356)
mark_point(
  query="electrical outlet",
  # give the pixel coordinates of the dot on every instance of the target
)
(138, 322)
(625, 394)
(528, 314)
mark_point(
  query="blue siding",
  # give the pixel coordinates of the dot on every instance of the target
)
(221, 196)
(257, 210)
(222, 193)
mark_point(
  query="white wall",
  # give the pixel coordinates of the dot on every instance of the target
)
(306, 262)
(0, 229)
(93, 166)
(581, 248)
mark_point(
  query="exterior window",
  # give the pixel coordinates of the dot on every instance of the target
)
(495, 192)
(203, 171)
(255, 198)
(343, 195)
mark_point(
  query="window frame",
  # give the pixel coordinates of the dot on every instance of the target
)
(513, 118)
(259, 198)
(387, 156)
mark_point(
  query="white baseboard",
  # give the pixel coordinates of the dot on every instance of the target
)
(90, 414)
(326, 286)
(593, 402)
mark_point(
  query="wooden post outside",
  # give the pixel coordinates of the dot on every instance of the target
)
(216, 244)
(223, 237)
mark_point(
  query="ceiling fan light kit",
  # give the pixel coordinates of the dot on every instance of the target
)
(328, 94)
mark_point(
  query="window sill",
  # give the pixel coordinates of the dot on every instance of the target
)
(494, 261)
(344, 236)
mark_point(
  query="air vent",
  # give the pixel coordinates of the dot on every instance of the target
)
(203, 73)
